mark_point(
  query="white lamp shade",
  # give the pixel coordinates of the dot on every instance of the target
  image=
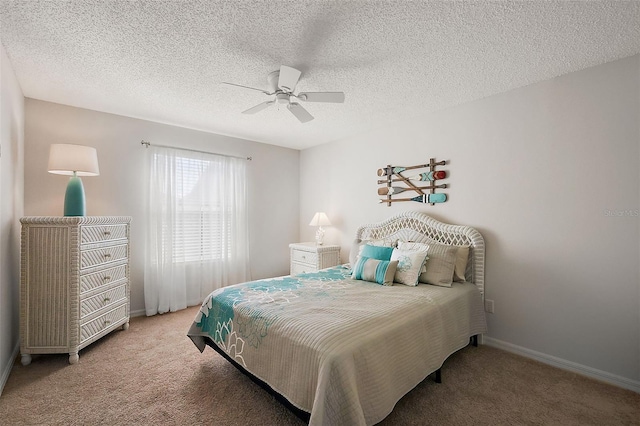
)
(320, 219)
(64, 159)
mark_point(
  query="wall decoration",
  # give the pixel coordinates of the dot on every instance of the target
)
(393, 175)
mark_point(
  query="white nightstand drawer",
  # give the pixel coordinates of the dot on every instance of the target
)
(304, 257)
(300, 268)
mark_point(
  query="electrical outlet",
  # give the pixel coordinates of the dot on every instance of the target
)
(488, 306)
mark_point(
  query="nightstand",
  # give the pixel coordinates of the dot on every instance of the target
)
(310, 257)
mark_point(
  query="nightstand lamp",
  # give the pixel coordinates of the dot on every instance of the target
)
(74, 161)
(320, 219)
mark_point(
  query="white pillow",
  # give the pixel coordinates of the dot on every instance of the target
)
(411, 245)
(441, 265)
(410, 263)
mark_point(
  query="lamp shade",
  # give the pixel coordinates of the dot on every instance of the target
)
(320, 219)
(65, 159)
(75, 161)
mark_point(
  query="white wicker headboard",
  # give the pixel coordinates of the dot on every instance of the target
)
(417, 226)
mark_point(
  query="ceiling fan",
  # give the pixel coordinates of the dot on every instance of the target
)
(282, 84)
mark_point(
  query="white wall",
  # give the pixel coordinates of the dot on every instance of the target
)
(537, 171)
(11, 194)
(120, 188)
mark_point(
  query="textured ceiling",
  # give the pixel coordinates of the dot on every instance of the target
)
(164, 60)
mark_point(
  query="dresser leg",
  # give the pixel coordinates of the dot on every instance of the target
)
(26, 359)
(125, 326)
(73, 357)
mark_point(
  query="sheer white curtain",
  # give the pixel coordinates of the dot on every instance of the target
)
(197, 229)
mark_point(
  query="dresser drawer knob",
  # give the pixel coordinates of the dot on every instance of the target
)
(304, 257)
(107, 255)
(106, 299)
(107, 278)
(107, 232)
(107, 322)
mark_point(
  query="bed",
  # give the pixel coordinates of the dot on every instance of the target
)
(344, 351)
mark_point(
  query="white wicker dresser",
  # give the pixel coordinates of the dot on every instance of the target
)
(74, 284)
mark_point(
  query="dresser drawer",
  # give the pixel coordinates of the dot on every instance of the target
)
(301, 268)
(103, 322)
(90, 281)
(304, 257)
(93, 304)
(94, 234)
(95, 257)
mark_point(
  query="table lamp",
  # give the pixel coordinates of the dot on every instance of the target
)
(74, 161)
(320, 219)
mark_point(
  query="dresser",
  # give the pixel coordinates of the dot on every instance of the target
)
(74, 283)
(310, 257)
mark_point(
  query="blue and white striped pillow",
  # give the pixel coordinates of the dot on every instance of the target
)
(374, 270)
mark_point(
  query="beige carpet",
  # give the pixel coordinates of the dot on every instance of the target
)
(153, 374)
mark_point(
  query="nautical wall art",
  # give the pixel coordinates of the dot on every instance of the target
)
(423, 183)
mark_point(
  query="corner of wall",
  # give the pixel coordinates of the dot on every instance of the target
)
(11, 209)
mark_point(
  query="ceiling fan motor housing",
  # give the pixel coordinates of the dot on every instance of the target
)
(282, 98)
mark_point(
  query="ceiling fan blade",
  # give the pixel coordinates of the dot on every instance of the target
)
(334, 97)
(300, 113)
(288, 78)
(247, 87)
(258, 107)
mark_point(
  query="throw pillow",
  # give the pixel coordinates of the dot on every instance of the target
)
(441, 265)
(410, 263)
(375, 270)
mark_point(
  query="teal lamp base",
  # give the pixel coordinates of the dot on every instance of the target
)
(74, 203)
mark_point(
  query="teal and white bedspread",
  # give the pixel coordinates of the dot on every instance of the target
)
(343, 350)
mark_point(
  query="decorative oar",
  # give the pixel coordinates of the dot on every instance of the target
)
(393, 170)
(422, 177)
(396, 189)
(424, 198)
(430, 176)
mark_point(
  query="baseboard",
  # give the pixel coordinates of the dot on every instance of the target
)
(623, 382)
(138, 313)
(7, 368)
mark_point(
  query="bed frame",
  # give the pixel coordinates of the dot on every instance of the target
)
(406, 226)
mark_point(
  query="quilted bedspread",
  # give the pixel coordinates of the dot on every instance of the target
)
(343, 350)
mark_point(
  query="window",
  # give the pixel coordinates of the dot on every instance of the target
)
(197, 229)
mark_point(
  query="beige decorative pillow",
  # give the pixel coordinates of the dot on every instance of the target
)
(440, 265)
(461, 263)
